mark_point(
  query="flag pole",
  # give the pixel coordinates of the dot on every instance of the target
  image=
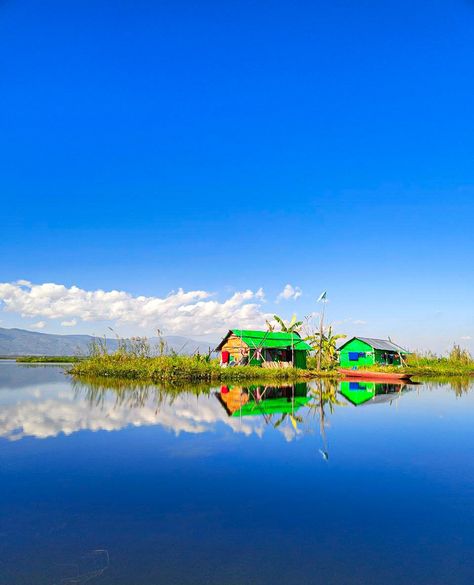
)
(322, 299)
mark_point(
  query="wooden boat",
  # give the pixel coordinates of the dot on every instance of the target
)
(373, 375)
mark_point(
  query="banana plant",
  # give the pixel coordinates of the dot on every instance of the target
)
(295, 420)
(326, 342)
(291, 327)
(270, 326)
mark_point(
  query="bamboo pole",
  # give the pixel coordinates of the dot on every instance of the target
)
(321, 336)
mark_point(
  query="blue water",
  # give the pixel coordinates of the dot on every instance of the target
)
(146, 487)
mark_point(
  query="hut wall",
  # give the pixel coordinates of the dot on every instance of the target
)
(276, 360)
(300, 359)
(233, 345)
(365, 358)
(276, 365)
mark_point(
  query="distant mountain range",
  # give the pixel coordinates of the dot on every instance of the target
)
(15, 342)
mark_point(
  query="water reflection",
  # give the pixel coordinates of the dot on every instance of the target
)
(266, 401)
(291, 408)
(14, 376)
(209, 466)
(44, 412)
(49, 408)
(367, 392)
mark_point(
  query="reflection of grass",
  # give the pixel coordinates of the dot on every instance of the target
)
(135, 394)
(459, 384)
(48, 359)
(131, 394)
(323, 395)
(135, 391)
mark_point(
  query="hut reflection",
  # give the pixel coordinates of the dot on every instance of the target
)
(366, 392)
(261, 400)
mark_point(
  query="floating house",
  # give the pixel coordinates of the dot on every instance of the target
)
(268, 349)
(366, 351)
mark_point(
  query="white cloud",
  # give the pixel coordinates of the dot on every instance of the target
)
(260, 294)
(191, 312)
(466, 337)
(38, 325)
(70, 323)
(359, 322)
(289, 292)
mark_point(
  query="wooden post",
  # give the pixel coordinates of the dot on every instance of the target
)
(292, 350)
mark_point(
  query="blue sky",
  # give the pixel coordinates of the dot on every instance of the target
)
(224, 147)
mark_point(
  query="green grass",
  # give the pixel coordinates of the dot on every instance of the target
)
(176, 368)
(48, 359)
(133, 361)
(439, 366)
(200, 369)
(456, 364)
(171, 368)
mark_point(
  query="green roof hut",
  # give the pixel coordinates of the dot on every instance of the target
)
(268, 349)
(367, 351)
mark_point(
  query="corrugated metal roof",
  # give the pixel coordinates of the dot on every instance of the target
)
(268, 339)
(383, 344)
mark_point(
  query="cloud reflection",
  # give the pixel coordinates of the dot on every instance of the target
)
(44, 412)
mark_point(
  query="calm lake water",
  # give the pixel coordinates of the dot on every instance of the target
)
(234, 486)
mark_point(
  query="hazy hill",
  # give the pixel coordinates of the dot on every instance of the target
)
(23, 342)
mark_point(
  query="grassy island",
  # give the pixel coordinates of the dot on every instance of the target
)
(134, 361)
(181, 368)
(198, 368)
(48, 359)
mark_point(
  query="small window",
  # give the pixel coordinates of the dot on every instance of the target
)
(353, 356)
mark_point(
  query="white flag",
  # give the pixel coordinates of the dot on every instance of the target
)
(322, 297)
